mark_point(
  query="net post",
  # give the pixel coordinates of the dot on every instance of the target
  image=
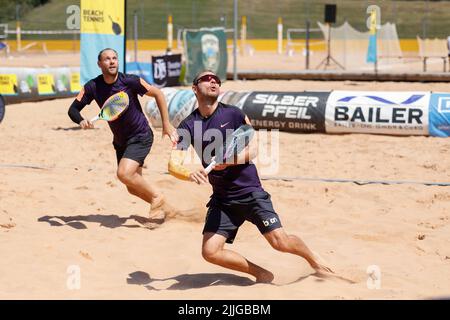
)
(169, 33)
(243, 34)
(307, 45)
(235, 77)
(135, 33)
(280, 35)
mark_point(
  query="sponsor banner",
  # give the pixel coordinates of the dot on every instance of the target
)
(102, 26)
(234, 98)
(205, 49)
(143, 70)
(396, 113)
(46, 84)
(181, 105)
(8, 84)
(65, 81)
(166, 70)
(33, 84)
(287, 111)
(439, 115)
(75, 85)
(151, 109)
(2, 108)
(103, 17)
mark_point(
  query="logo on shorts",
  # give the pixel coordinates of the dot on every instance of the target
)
(269, 222)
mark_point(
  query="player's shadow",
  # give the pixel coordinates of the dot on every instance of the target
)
(67, 129)
(323, 278)
(70, 128)
(189, 281)
(110, 221)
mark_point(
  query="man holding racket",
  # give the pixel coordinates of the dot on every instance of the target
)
(133, 136)
(237, 191)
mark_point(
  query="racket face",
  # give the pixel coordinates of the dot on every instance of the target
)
(114, 106)
(237, 141)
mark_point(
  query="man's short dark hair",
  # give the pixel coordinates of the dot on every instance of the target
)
(106, 49)
(194, 82)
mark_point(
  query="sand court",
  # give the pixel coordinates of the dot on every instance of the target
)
(69, 229)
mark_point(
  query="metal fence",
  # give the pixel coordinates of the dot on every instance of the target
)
(429, 19)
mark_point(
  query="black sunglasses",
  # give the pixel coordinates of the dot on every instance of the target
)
(208, 78)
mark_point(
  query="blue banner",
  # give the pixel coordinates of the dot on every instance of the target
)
(143, 70)
(102, 26)
(372, 49)
(439, 115)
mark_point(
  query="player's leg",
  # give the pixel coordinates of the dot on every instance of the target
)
(137, 193)
(268, 222)
(129, 173)
(281, 241)
(213, 251)
(130, 159)
(221, 226)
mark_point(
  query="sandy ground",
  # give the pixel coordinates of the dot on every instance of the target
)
(69, 230)
(73, 211)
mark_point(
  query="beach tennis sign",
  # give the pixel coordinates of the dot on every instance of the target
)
(102, 26)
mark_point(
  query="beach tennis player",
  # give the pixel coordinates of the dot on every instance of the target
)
(237, 192)
(132, 135)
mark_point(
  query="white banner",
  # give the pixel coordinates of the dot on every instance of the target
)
(382, 112)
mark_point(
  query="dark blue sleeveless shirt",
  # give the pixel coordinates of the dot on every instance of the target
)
(234, 181)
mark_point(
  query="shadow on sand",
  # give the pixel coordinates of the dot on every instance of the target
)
(190, 281)
(110, 221)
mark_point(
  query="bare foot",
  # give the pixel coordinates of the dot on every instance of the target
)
(265, 277)
(159, 211)
(326, 273)
(323, 271)
(156, 215)
(157, 202)
(319, 265)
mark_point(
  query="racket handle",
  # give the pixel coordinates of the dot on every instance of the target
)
(94, 119)
(210, 166)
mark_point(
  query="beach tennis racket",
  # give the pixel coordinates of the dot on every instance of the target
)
(234, 144)
(113, 107)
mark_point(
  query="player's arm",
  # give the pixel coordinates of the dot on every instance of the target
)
(154, 92)
(75, 109)
(177, 169)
